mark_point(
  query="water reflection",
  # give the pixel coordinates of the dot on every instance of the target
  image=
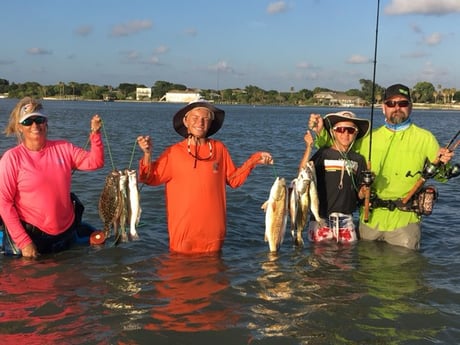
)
(334, 255)
(187, 294)
(393, 276)
(39, 300)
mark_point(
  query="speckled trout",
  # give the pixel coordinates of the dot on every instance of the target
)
(276, 213)
(299, 204)
(303, 200)
(109, 202)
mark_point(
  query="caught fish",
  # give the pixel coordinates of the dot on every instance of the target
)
(293, 205)
(109, 202)
(135, 204)
(276, 213)
(302, 187)
(303, 201)
(313, 192)
(124, 209)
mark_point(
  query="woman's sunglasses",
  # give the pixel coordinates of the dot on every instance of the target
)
(401, 104)
(343, 129)
(39, 120)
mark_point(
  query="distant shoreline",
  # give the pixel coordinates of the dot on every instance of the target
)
(415, 105)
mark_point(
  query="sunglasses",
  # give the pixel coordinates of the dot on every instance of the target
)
(401, 104)
(39, 120)
(349, 130)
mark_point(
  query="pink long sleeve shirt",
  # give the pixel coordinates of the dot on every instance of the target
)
(35, 186)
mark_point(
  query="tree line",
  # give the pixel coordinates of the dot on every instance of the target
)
(422, 92)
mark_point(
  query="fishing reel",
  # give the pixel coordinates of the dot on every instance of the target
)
(430, 170)
(368, 178)
(442, 171)
(448, 171)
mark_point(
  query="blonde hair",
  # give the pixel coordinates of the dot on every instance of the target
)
(25, 105)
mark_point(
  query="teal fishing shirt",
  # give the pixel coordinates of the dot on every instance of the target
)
(394, 155)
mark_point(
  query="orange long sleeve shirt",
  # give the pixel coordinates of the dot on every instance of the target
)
(195, 192)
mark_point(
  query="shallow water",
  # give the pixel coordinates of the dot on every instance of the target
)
(139, 293)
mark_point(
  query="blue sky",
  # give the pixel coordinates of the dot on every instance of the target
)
(218, 44)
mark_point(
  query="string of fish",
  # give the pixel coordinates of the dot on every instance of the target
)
(119, 202)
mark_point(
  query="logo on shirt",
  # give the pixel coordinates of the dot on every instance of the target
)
(331, 165)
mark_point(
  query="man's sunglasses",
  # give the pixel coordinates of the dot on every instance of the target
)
(39, 120)
(401, 104)
(343, 129)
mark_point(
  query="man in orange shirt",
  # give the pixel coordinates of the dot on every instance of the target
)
(195, 172)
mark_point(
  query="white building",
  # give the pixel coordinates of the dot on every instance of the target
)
(181, 96)
(143, 93)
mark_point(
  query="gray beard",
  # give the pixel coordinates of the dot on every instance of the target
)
(396, 120)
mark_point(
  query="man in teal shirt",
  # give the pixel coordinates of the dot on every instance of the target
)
(398, 147)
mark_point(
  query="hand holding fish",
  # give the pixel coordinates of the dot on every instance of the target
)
(264, 158)
(96, 124)
(316, 123)
(145, 143)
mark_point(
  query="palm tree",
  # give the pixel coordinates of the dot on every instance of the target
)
(435, 95)
(452, 94)
(61, 89)
(445, 95)
(72, 85)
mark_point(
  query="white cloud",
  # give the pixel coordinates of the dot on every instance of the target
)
(425, 7)
(161, 49)
(429, 69)
(154, 60)
(191, 32)
(39, 51)
(84, 30)
(433, 39)
(414, 55)
(358, 59)
(221, 66)
(276, 7)
(131, 27)
(304, 65)
(130, 56)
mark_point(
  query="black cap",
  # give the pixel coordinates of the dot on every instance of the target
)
(397, 90)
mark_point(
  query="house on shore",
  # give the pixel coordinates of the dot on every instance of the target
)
(143, 94)
(341, 99)
(181, 96)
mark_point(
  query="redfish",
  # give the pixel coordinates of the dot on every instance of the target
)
(276, 214)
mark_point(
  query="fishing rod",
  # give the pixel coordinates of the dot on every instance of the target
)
(448, 146)
(367, 175)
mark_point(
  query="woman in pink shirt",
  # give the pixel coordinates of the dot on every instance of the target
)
(35, 181)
